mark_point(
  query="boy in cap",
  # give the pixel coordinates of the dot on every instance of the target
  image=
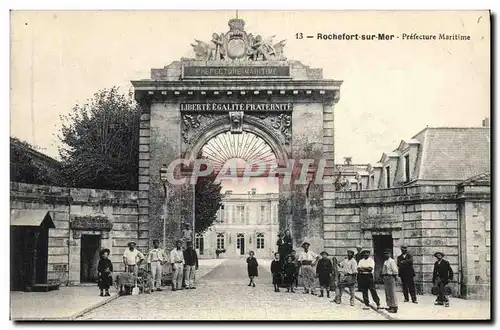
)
(406, 272)
(441, 276)
(187, 234)
(323, 272)
(389, 273)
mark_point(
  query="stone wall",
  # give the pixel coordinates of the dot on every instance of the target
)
(68, 205)
(426, 218)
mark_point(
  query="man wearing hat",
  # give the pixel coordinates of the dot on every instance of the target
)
(177, 262)
(348, 270)
(132, 258)
(156, 258)
(358, 256)
(187, 234)
(365, 278)
(307, 260)
(407, 273)
(389, 273)
(441, 276)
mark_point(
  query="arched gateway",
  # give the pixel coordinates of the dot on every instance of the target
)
(237, 83)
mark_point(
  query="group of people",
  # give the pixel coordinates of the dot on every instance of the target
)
(354, 268)
(184, 263)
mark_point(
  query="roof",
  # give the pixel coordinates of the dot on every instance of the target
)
(448, 153)
(478, 179)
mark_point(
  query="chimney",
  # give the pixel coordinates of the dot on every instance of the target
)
(347, 160)
(486, 122)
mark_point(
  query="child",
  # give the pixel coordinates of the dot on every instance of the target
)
(324, 272)
(297, 267)
(252, 267)
(290, 269)
(104, 269)
(276, 271)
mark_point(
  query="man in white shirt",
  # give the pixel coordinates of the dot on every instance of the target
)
(155, 259)
(177, 262)
(308, 259)
(365, 276)
(348, 270)
(389, 273)
(132, 258)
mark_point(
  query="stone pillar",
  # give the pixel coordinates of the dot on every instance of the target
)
(307, 144)
(164, 148)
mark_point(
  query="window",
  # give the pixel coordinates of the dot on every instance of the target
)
(240, 214)
(198, 243)
(361, 186)
(260, 241)
(225, 213)
(372, 182)
(239, 240)
(220, 241)
(262, 214)
(388, 177)
(407, 168)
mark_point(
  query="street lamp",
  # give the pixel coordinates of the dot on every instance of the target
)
(164, 179)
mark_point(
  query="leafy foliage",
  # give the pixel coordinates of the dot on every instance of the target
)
(101, 142)
(208, 200)
(28, 166)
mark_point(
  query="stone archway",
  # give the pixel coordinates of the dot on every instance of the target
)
(287, 104)
(250, 124)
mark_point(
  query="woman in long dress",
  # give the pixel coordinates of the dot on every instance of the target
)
(252, 268)
(308, 260)
(287, 246)
(105, 269)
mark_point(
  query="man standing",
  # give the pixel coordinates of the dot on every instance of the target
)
(441, 276)
(132, 258)
(177, 262)
(407, 273)
(358, 256)
(187, 234)
(191, 262)
(365, 279)
(307, 260)
(348, 270)
(389, 273)
(155, 259)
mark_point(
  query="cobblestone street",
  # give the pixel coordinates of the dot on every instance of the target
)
(223, 294)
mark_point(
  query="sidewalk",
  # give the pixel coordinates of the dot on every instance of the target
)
(460, 309)
(67, 303)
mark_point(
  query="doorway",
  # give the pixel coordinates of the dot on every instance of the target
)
(199, 243)
(89, 257)
(28, 257)
(240, 243)
(380, 244)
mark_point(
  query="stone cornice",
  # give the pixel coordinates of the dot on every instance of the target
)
(67, 200)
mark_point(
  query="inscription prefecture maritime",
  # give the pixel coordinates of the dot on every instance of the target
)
(236, 71)
(385, 36)
(236, 106)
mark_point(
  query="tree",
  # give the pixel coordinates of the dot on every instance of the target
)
(208, 201)
(27, 165)
(101, 142)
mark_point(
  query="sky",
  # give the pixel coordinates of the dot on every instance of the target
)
(391, 89)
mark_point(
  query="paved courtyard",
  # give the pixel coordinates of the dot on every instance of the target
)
(223, 294)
